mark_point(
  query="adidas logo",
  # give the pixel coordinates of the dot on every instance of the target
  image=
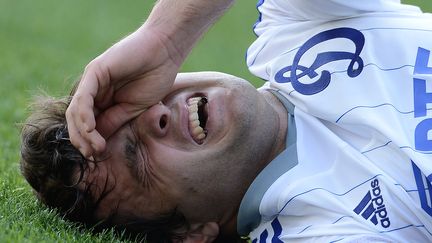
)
(372, 206)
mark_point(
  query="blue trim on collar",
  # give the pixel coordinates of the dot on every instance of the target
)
(249, 216)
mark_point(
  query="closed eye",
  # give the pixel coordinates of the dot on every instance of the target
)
(130, 152)
(138, 161)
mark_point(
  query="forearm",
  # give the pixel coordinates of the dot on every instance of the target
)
(180, 23)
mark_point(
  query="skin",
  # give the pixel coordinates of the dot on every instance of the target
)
(125, 82)
(205, 182)
(114, 86)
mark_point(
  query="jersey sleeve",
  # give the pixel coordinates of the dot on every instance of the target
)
(275, 12)
(284, 24)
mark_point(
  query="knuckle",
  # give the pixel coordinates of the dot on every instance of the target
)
(81, 113)
(78, 97)
(91, 65)
(94, 66)
(68, 114)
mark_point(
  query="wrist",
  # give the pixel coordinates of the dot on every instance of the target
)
(180, 24)
(166, 45)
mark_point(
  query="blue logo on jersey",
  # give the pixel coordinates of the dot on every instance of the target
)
(297, 71)
(421, 99)
(372, 206)
(277, 230)
(424, 187)
(423, 142)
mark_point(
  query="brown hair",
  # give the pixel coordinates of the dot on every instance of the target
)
(54, 168)
(48, 160)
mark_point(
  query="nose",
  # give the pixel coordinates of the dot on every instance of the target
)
(155, 121)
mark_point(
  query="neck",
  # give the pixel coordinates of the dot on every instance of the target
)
(229, 223)
(282, 115)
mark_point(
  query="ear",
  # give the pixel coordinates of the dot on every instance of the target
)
(202, 233)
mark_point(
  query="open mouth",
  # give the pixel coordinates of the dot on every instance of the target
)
(197, 107)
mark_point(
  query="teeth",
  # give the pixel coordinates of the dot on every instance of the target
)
(198, 130)
(193, 100)
(198, 133)
(193, 108)
(193, 116)
(201, 136)
(194, 123)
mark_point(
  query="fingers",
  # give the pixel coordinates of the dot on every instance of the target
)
(81, 121)
(115, 117)
(88, 143)
(82, 128)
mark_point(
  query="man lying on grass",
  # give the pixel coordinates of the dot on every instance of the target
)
(199, 148)
(335, 147)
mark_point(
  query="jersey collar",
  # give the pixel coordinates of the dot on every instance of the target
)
(249, 216)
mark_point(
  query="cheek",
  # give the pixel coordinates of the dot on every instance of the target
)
(165, 157)
(169, 168)
(192, 172)
(178, 168)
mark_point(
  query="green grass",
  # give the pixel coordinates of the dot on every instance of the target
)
(45, 45)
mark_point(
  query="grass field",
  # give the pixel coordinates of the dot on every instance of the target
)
(45, 45)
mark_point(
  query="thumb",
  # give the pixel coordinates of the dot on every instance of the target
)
(113, 118)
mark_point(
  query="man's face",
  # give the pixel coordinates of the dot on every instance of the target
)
(163, 160)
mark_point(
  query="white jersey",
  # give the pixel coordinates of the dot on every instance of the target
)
(359, 74)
